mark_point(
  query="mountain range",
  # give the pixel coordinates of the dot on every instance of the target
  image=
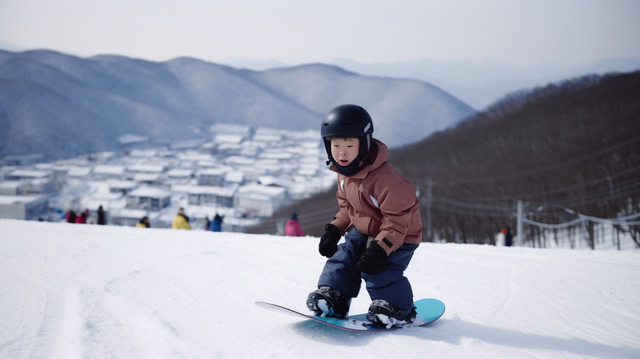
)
(480, 84)
(61, 106)
(477, 83)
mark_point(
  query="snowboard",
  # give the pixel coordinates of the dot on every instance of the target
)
(429, 310)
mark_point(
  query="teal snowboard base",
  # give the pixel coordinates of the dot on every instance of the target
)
(429, 310)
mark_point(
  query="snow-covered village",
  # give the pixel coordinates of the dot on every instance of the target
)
(242, 174)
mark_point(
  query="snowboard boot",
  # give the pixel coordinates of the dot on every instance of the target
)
(382, 313)
(328, 302)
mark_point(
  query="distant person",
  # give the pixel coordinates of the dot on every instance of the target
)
(101, 217)
(82, 218)
(143, 222)
(207, 224)
(181, 221)
(504, 238)
(293, 228)
(508, 237)
(216, 224)
(71, 216)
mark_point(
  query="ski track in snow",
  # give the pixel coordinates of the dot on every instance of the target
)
(76, 291)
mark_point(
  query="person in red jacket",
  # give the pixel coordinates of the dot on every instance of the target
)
(71, 216)
(82, 218)
(293, 228)
(379, 216)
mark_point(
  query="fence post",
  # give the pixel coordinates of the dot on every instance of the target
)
(429, 199)
(521, 239)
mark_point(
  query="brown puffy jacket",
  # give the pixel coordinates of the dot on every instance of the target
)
(378, 201)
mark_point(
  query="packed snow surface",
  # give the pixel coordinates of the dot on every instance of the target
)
(88, 291)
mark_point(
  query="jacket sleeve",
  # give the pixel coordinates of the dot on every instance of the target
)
(341, 220)
(396, 198)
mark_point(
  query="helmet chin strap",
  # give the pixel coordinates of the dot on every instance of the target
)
(350, 169)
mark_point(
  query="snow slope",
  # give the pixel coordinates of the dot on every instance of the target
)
(72, 291)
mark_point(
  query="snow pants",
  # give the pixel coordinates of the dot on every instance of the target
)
(340, 272)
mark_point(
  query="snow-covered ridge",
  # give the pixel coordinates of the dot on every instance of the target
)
(71, 291)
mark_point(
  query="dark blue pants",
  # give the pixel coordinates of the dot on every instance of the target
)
(340, 272)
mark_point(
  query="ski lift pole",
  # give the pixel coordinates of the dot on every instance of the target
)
(521, 239)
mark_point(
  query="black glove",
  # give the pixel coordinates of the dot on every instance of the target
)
(373, 259)
(329, 241)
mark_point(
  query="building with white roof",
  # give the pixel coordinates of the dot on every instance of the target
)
(260, 201)
(179, 176)
(78, 171)
(207, 195)
(12, 188)
(149, 198)
(21, 174)
(143, 153)
(147, 178)
(35, 181)
(228, 138)
(23, 207)
(179, 173)
(234, 178)
(121, 186)
(108, 171)
(212, 176)
(147, 168)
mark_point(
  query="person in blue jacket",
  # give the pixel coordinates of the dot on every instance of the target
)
(216, 224)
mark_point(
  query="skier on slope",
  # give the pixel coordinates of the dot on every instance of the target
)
(181, 221)
(293, 228)
(379, 216)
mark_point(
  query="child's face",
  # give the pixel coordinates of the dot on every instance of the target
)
(345, 150)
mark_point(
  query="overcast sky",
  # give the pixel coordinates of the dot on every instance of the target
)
(514, 32)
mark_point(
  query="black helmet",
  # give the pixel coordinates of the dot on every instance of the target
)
(347, 121)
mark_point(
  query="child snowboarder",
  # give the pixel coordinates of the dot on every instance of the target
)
(379, 216)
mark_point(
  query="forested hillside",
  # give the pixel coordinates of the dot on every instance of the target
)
(564, 150)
